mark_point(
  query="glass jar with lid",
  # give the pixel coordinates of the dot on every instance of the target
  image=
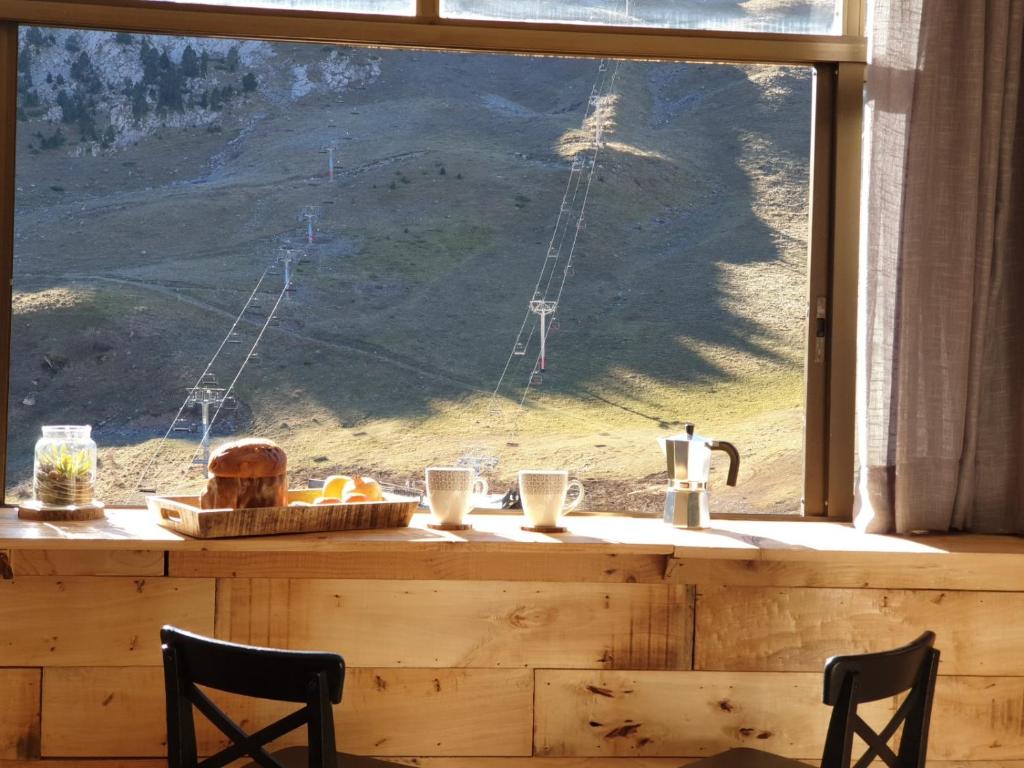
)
(65, 466)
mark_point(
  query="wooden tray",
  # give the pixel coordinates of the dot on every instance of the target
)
(182, 514)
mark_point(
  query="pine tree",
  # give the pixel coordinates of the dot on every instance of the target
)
(81, 69)
(169, 90)
(204, 64)
(150, 63)
(250, 83)
(140, 104)
(233, 59)
(189, 62)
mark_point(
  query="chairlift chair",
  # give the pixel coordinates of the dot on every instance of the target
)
(536, 379)
(235, 338)
(519, 349)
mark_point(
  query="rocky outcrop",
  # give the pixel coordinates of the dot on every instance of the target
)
(89, 92)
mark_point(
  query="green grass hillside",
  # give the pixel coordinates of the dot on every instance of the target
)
(687, 302)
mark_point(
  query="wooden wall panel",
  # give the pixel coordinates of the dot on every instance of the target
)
(863, 570)
(651, 714)
(383, 712)
(97, 621)
(464, 624)
(468, 566)
(783, 629)
(67, 562)
(19, 711)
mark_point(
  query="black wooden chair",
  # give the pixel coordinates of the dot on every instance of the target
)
(854, 680)
(314, 680)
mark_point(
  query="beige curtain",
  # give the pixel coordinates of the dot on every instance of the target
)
(941, 336)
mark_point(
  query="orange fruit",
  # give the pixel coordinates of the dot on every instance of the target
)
(335, 486)
(355, 496)
(368, 487)
(326, 500)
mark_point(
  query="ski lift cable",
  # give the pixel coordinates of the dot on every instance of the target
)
(536, 365)
(195, 387)
(228, 392)
(586, 197)
(573, 175)
(592, 162)
(565, 209)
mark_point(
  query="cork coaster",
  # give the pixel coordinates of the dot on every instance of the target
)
(36, 510)
(450, 526)
(544, 528)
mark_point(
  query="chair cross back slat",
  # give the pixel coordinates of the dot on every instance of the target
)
(241, 743)
(854, 680)
(878, 743)
(313, 679)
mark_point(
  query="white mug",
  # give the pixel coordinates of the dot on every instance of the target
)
(451, 492)
(542, 493)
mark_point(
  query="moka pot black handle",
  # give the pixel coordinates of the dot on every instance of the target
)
(734, 458)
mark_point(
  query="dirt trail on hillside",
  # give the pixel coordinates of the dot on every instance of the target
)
(379, 357)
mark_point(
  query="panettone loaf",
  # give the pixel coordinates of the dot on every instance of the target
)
(246, 474)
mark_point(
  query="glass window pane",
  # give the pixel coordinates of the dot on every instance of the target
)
(819, 17)
(389, 7)
(427, 212)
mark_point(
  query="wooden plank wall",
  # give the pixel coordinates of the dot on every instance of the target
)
(464, 662)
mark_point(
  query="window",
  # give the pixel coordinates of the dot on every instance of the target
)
(394, 7)
(823, 17)
(167, 184)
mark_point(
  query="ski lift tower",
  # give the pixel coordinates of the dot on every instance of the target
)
(289, 261)
(542, 308)
(330, 149)
(206, 397)
(310, 214)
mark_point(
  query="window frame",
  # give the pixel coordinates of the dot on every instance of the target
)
(835, 162)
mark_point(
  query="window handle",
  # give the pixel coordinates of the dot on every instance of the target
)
(821, 330)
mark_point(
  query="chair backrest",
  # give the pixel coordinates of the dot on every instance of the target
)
(854, 680)
(314, 680)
